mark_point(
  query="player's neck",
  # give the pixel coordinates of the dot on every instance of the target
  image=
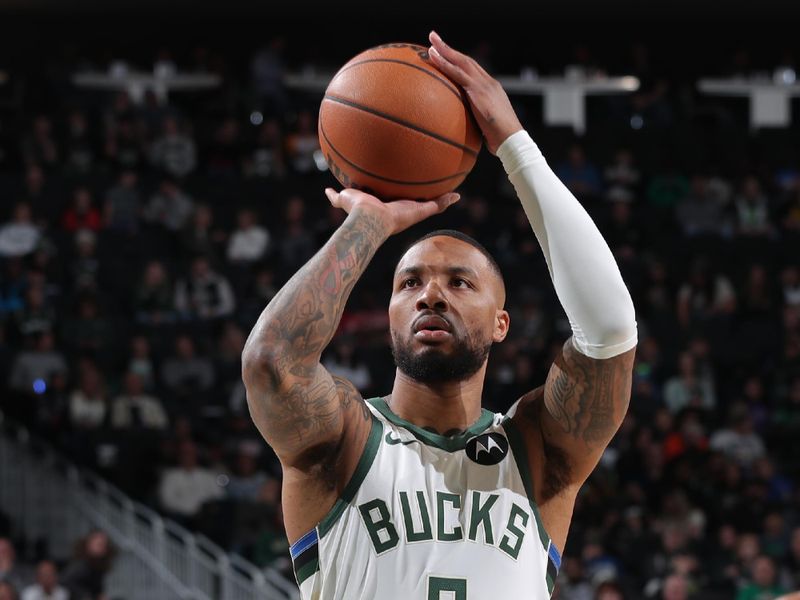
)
(443, 407)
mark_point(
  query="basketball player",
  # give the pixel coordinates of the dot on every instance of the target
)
(421, 494)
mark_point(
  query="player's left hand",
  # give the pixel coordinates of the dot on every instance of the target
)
(488, 99)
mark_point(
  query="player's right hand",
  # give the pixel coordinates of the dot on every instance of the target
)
(396, 215)
(487, 98)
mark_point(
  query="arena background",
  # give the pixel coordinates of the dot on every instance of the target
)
(697, 496)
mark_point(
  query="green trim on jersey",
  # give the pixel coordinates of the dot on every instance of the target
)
(517, 443)
(307, 570)
(363, 467)
(449, 444)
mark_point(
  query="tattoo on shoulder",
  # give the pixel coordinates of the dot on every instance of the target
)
(588, 397)
(348, 394)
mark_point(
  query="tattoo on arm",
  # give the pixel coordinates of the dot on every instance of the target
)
(588, 397)
(294, 399)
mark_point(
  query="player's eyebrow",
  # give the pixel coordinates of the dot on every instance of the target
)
(451, 270)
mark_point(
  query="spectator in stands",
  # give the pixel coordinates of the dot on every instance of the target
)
(79, 147)
(141, 362)
(123, 204)
(134, 409)
(225, 151)
(763, 585)
(302, 143)
(792, 562)
(296, 243)
(184, 373)
(85, 574)
(81, 214)
(170, 207)
(249, 242)
(37, 316)
(8, 591)
(34, 368)
(676, 587)
(10, 571)
(19, 236)
(580, 175)
(266, 159)
(705, 294)
(622, 178)
(155, 299)
(248, 478)
(39, 146)
(738, 441)
(185, 487)
(174, 152)
(199, 237)
(702, 211)
(88, 332)
(752, 209)
(47, 586)
(204, 294)
(609, 590)
(267, 71)
(572, 583)
(790, 284)
(689, 388)
(85, 267)
(88, 404)
(343, 360)
(123, 146)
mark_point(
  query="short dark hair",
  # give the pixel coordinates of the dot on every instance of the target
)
(459, 235)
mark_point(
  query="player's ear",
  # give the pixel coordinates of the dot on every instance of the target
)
(502, 321)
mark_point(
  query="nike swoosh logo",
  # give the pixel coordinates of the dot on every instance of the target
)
(394, 441)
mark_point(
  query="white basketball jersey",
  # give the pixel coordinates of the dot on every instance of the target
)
(428, 517)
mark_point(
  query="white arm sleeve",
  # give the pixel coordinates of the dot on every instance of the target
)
(585, 275)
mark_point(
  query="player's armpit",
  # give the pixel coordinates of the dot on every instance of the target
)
(583, 405)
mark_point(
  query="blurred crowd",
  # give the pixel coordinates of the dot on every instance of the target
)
(140, 241)
(34, 575)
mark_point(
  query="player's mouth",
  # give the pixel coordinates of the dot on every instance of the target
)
(432, 328)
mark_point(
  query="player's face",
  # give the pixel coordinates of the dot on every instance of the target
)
(446, 310)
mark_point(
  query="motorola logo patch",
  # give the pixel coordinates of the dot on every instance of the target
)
(487, 448)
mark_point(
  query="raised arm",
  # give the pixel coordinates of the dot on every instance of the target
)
(301, 410)
(571, 420)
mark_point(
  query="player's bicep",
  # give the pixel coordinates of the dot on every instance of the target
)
(585, 401)
(304, 418)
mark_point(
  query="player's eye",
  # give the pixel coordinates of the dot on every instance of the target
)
(410, 282)
(459, 282)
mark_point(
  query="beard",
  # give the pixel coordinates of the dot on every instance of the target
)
(432, 365)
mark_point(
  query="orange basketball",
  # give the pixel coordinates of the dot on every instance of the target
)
(394, 125)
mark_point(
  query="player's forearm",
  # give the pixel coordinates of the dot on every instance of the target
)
(584, 272)
(299, 322)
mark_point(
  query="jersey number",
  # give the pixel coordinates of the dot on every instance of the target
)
(438, 586)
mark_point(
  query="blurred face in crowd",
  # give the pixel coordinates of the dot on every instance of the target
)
(7, 554)
(6, 591)
(675, 588)
(446, 310)
(794, 544)
(46, 575)
(184, 346)
(764, 571)
(200, 268)
(133, 384)
(187, 455)
(154, 275)
(97, 544)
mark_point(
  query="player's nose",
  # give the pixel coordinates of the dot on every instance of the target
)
(431, 297)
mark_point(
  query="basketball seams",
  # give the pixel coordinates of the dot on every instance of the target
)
(445, 82)
(381, 177)
(398, 121)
